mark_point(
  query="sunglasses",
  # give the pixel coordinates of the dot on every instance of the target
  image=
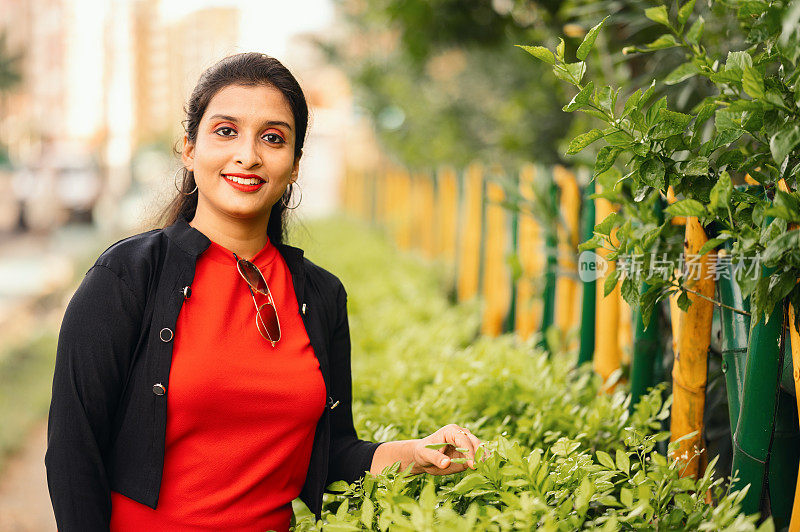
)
(266, 315)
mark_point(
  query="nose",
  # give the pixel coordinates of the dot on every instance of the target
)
(247, 154)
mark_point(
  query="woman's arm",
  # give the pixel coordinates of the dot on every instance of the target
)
(436, 461)
(98, 333)
(350, 457)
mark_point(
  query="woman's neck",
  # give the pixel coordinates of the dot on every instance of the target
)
(245, 237)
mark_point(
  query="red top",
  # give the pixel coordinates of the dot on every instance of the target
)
(241, 414)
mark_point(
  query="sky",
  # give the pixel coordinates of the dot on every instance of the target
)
(266, 25)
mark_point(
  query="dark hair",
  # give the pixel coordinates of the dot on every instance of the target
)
(240, 69)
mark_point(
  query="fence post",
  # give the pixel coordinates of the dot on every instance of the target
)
(469, 254)
(751, 441)
(568, 235)
(647, 349)
(551, 251)
(589, 299)
(690, 369)
(529, 306)
(607, 356)
(794, 525)
(495, 274)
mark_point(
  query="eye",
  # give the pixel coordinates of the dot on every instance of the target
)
(225, 131)
(273, 138)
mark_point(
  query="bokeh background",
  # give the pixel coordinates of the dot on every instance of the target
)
(91, 104)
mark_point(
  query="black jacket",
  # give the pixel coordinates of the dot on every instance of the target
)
(107, 422)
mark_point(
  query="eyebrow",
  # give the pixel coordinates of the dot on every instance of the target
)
(267, 123)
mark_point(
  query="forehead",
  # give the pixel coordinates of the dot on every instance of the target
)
(257, 103)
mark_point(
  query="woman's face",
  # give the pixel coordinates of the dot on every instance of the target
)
(246, 134)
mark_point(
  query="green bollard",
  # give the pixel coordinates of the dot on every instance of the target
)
(647, 348)
(589, 297)
(551, 264)
(735, 329)
(783, 460)
(752, 439)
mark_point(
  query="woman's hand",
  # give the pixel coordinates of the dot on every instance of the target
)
(456, 453)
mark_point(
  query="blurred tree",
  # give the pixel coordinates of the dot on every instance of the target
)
(443, 82)
(10, 76)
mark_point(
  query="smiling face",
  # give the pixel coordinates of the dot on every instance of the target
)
(243, 156)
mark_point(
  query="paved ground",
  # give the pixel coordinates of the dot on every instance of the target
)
(32, 265)
(24, 499)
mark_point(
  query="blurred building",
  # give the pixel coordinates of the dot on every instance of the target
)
(92, 127)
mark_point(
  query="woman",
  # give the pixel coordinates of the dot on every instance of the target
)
(202, 377)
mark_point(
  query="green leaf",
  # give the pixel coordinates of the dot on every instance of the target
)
(784, 141)
(570, 72)
(580, 99)
(610, 282)
(367, 513)
(684, 12)
(720, 195)
(581, 141)
(632, 102)
(630, 292)
(753, 83)
(604, 458)
(785, 206)
(623, 461)
(652, 172)
(665, 41)
(684, 302)
(588, 41)
(658, 14)
(593, 243)
(696, 166)
(696, 31)
(683, 72)
(608, 223)
(670, 123)
(540, 52)
(712, 244)
(686, 207)
(605, 159)
(560, 49)
(786, 242)
(738, 60)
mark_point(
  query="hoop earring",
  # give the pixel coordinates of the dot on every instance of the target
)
(283, 198)
(175, 179)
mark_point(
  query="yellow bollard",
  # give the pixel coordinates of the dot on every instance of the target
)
(568, 241)
(447, 209)
(607, 357)
(427, 215)
(496, 282)
(625, 338)
(690, 369)
(469, 252)
(404, 214)
(528, 312)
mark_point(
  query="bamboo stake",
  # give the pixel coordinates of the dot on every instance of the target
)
(690, 369)
(529, 306)
(496, 293)
(568, 240)
(607, 356)
(469, 254)
(589, 288)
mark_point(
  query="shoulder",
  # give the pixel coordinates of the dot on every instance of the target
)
(133, 258)
(329, 287)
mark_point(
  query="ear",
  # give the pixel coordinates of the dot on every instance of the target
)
(187, 153)
(295, 168)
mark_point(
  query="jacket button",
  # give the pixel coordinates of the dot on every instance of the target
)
(303, 309)
(165, 334)
(187, 292)
(159, 389)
